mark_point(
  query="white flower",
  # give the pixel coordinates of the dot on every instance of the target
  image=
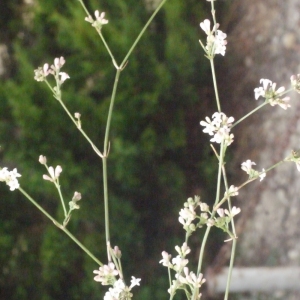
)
(247, 166)
(234, 211)
(179, 263)
(10, 178)
(166, 259)
(191, 278)
(262, 175)
(60, 77)
(216, 39)
(232, 191)
(134, 281)
(204, 207)
(100, 20)
(63, 76)
(42, 159)
(295, 81)
(53, 173)
(220, 42)
(187, 215)
(281, 102)
(205, 26)
(220, 212)
(219, 127)
(115, 292)
(269, 92)
(106, 274)
(41, 73)
(184, 250)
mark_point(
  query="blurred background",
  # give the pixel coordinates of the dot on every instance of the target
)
(159, 156)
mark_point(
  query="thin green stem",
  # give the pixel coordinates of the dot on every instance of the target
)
(142, 32)
(84, 7)
(221, 160)
(108, 49)
(106, 208)
(67, 232)
(110, 111)
(204, 241)
(249, 114)
(61, 198)
(213, 213)
(213, 12)
(232, 256)
(79, 128)
(105, 155)
(100, 34)
(215, 83)
(233, 248)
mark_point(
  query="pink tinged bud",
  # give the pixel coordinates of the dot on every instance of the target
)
(77, 196)
(46, 69)
(53, 173)
(42, 159)
(117, 252)
(77, 115)
(59, 62)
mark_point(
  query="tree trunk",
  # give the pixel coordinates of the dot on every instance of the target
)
(264, 42)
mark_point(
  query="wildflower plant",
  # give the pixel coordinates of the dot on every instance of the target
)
(195, 214)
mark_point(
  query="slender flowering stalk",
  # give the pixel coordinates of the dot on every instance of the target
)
(57, 224)
(119, 289)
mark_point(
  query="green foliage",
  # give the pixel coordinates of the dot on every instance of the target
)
(152, 166)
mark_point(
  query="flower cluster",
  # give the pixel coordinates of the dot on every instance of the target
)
(41, 73)
(273, 96)
(73, 204)
(188, 214)
(219, 127)
(99, 21)
(247, 167)
(10, 178)
(54, 174)
(225, 217)
(183, 276)
(232, 191)
(107, 276)
(216, 39)
(120, 291)
(295, 81)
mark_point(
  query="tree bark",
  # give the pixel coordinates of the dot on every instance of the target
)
(264, 42)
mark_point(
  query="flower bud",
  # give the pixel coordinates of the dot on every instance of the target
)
(42, 159)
